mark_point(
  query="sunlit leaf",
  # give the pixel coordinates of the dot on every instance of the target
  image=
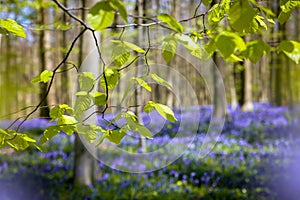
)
(120, 54)
(171, 21)
(121, 9)
(291, 49)
(101, 15)
(256, 49)
(86, 81)
(136, 127)
(284, 16)
(44, 77)
(163, 110)
(49, 133)
(161, 81)
(111, 77)
(169, 47)
(206, 2)
(59, 110)
(90, 132)
(241, 16)
(115, 136)
(190, 45)
(143, 83)
(99, 98)
(13, 27)
(67, 124)
(228, 42)
(82, 103)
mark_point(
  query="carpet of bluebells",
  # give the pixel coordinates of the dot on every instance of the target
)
(256, 157)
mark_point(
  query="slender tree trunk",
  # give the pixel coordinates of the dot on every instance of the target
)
(247, 102)
(65, 77)
(84, 163)
(44, 43)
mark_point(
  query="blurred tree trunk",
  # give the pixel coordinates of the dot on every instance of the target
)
(140, 10)
(217, 92)
(84, 163)
(247, 100)
(64, 97)
(44, 45)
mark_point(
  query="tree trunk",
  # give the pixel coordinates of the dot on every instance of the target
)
(247, 101)
(84, 163)
(44, 43)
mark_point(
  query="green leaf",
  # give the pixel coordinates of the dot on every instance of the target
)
(44, 77)
(261, 22)
(121, 9)
(217, 12)
(284, 16)
(86, 81)
(19, 143)
(256, 49)
(169, 47)
(228, 42)
(82, 103)
(291, 49)
(120, 54)
(49, 133)
(171, 21)
(149, 107)
(59, 110)
(163, 110)
(135, 126)
(211, 47)
(99, 98)
(161, 81)
(241, 16)
(143, 83)
(67, 124)
(206, 2)
(190, 45)
(13, 27)
(130, 46)
(90, 132)
(115, 136)
(101, 15)
(288, 5)
(112, 79)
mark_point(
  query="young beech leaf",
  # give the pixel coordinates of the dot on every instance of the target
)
(135, 126)
(130, 46)
(169, 47)
(241, 17)
(13, 27)
(256, 49)
(112, 78)
(291, 49)
(44, 77)
(121, 9)
(120, 54)
(143, 83)
(99, 98)
(67, 124)
(90, 132)
(228, 42)
(163, 110)
(171, 21)
(86, 81)
(101, 15)
(206, 2)
(59, 110)
(190, 45)
(115, 136)
(49, 133)
(160, 81)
